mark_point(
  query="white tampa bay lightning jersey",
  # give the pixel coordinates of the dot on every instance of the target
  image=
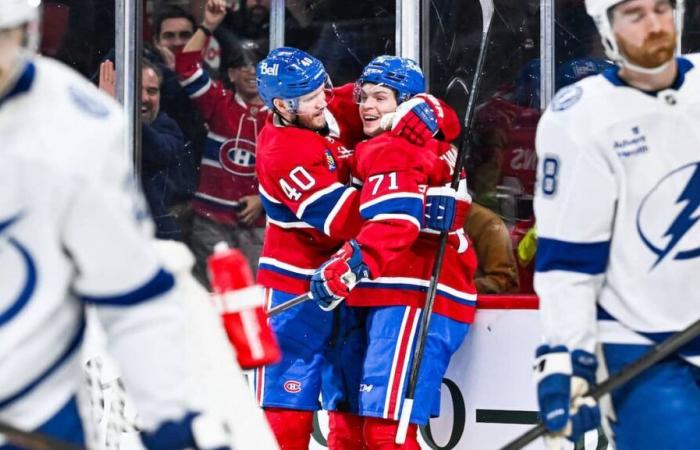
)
(617, 207)
(70, 235)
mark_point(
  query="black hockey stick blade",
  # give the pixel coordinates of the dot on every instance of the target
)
(289, 304)
(34, 441)
(656, 354)
(487, 10)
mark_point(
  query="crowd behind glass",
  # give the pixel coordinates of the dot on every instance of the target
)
(501, 160)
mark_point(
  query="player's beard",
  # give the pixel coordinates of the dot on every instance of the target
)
(309, 122)
(657, 49)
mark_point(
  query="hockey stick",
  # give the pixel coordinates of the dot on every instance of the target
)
(487, 9)
(656, 354)
(34, 441)
(289, 304)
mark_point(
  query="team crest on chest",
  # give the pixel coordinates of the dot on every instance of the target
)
(672, 230)
(237, 156)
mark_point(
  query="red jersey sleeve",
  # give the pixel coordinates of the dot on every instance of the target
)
(392, 198)
(207, 94)
(299, 183)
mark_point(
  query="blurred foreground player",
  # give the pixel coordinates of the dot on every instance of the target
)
(72, 233)
(619, 239)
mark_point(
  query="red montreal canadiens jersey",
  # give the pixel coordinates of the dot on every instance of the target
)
(310, 210)
(398, 252)
(227, 171)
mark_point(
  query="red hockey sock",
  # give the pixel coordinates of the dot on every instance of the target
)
(345, 431)
(380, 434)
(292, 427)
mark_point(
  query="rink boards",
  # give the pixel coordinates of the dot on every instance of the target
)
(488, 394)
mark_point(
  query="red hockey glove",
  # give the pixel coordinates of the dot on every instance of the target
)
(417, 119)
(332, 282)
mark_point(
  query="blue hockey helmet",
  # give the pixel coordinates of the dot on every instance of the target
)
(288, 73)
(401, 74)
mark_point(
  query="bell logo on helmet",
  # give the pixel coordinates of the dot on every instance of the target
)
(267, 70)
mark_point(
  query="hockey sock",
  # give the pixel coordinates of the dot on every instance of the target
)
(292, 427)
(380, 434)
(345, 431)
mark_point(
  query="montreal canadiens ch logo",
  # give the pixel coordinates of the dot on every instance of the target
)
(671, 230)
(237, 156)
(292, 386)
(17, 284)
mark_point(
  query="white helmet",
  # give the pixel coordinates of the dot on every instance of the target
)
(14, 13)
(598, 10)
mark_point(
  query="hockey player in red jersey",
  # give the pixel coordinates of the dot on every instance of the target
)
(388, 264)
(303, 162)
(227, 204)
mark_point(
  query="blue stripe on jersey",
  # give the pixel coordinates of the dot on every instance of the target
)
(23, 84)
(161, 283)
(414, 287)
(590, 258)
(690, 349)
(399, 205)
(289, 273)
(211, 148)
(30, 284)
(316, 212)
(278, 211)
(73, 346)
(196, 84)
(684, 66)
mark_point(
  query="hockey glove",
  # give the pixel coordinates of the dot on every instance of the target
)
(417, 119)
(563, 378)
(440, 206)
(197, 431)
(332, 282)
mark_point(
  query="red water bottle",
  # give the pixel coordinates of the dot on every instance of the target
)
(240, 302)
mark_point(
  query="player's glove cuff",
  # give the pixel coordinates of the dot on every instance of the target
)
(563, 378)
(194, 431)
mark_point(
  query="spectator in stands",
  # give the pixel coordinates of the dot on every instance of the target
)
(172, 29)
(497, 272)
(162, 149)
(227, 205)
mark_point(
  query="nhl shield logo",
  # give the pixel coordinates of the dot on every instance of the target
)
(237, 156)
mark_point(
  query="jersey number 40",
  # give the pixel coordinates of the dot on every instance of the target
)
(300, 178)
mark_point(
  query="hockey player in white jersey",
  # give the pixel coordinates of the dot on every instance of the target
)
(618, 260)
(71, 234)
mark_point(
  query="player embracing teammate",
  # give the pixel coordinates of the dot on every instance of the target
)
(327, 236)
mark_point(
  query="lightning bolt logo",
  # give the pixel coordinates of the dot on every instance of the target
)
(689, 199)
(685, 220)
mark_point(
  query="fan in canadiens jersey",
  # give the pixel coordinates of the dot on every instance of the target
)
(302, 165)
(617, 203)
(74, 231)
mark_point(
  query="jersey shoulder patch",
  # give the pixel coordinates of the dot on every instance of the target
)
(87, 103)
(566, 98)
